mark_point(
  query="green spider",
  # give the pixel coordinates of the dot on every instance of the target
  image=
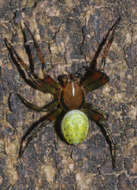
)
(69, 92)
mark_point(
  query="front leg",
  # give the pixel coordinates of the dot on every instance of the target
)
(46, 85)
(94, 80)
(104, 46)
(35, 128)
(100, 119)
(28, 49)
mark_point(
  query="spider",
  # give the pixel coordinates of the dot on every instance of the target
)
(69, 92)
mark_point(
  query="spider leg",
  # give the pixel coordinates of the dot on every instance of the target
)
(45, 108)
(47, 78)
(27, 48)
(107, 41)
(100, 120)
(35, 128)
(47, 85)
(94, 80)
(110, 38)
(39, 53)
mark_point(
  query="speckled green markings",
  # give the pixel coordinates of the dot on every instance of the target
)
(74, 126)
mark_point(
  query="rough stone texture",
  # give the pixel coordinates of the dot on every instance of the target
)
(48, 163)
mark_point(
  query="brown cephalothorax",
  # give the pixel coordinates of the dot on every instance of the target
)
(69, 92)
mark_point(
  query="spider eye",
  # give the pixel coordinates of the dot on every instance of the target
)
(74, 127)
(63, 79)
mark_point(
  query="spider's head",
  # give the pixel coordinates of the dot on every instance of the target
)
(65, 79)
(71, 93)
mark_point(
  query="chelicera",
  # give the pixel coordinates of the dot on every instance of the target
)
(69, 92)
